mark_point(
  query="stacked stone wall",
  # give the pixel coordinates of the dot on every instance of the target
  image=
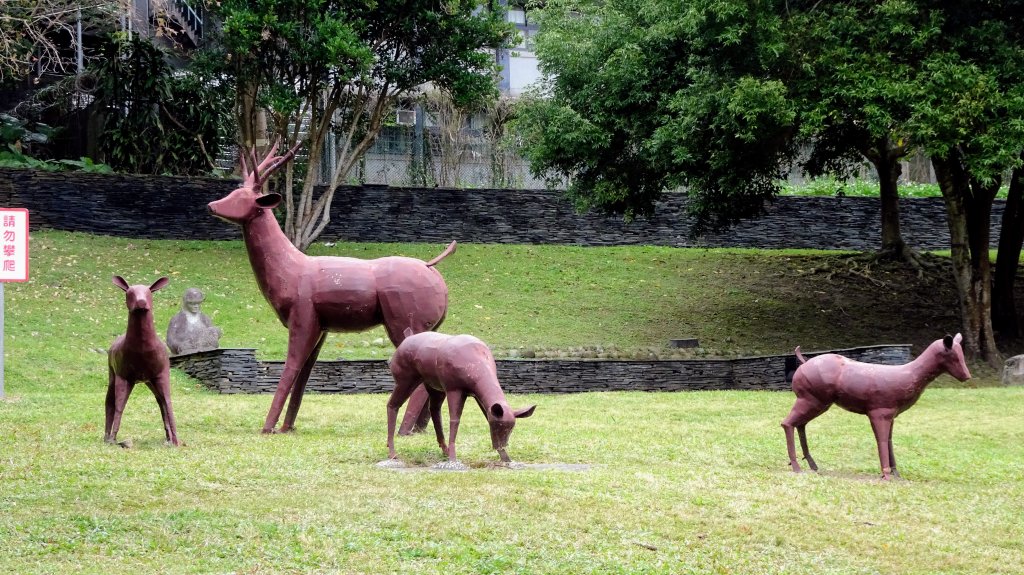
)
(238, 371)
(166, 207)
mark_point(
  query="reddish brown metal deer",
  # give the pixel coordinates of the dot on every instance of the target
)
(138, 355)
(452, 367)
(316, 295)
(879, 391)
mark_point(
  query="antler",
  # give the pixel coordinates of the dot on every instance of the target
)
(270, 164)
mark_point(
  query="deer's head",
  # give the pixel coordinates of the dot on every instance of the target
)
(951, 358)
(502, 419)
(139, 298)
(247, 201)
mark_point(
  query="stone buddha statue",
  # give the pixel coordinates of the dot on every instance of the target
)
(191, 330)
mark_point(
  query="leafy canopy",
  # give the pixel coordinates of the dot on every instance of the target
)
(337, 68)
(647, 95)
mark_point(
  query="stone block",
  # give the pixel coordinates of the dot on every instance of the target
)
(1013, 371)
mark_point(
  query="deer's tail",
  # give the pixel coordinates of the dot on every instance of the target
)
(447, 252)
(799, 355)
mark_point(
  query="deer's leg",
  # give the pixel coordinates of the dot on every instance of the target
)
(416, 414)
(111, 394)
(436, 399)
(802, 430)
(161, 389)
(456, 401)
(892, 454)
(302, 340)
(404, 386)
(396, 319)
(300, 386)
(881, 424)
(122, 390)
(804, 410)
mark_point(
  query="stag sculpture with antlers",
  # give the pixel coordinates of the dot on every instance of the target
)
(316, 295)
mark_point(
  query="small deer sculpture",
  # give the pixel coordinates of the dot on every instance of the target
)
(452, 367)
(138, 355)
(879, 391)
(316, 295)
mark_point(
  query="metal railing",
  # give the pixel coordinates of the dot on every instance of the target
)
(191, 18)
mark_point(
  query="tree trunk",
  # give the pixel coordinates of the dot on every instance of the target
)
(888, 168)
(1005, 319)
(969, 216)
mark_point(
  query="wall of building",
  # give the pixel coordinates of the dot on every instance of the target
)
(166, 207)
(238, 371)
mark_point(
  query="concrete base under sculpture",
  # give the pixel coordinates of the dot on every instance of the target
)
(401, 466)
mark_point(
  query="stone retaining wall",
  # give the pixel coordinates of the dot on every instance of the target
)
(238, 371)
(166, 207)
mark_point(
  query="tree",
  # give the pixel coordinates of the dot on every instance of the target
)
(857, 73)
(642, 96)
(1005, 318)
(154, 121)
(37, 33)
(970, 119)
(328, 72)
(645, 95)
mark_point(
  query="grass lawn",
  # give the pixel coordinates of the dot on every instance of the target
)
(678, 483)
(675, 483)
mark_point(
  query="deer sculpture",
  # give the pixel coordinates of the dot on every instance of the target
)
(879, 391)
(452, 367)
(138, 355)
(316, 295)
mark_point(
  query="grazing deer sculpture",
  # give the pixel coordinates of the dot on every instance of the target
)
(452, 367)
(879, 391)
(138, 355)
(316, 295)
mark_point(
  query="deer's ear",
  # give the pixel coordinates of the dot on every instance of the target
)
(159, 284)
(958, 338)
(524, 412)
(269, 201)
(119, 282)
(497, 410)
(948, 341)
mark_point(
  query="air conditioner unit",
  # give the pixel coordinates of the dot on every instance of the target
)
(405, 117)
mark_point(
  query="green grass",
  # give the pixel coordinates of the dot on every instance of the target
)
(827, 186)
(677, 483)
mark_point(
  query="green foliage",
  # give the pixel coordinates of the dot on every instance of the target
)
(827, 186)
(156, 122)
(19, 136)
(856, 79)
(649, 95)
(13, 158)
(84, 164)
(339, 67)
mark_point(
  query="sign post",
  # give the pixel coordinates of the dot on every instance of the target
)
(13, 262)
